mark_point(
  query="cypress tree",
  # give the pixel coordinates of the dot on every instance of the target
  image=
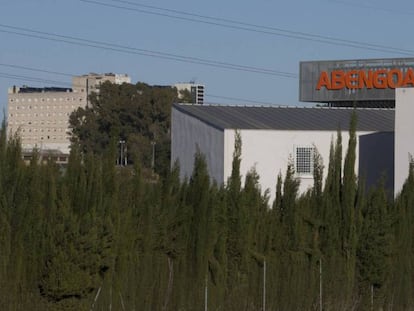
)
(348, 199)
(289, 208)
(402, 284)
(374, 248)
(257, 237)
(236, 249)
(331, 226)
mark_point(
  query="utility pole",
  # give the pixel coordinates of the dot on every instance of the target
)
(264, 285)
(96, 298)
(320, 285)
(206, 294)
(372, 297)
(121, 151)
(153, 143)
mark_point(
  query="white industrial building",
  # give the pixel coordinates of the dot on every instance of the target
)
(273, 136)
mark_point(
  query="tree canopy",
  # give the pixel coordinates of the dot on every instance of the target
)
(136, 115)
(96, 236)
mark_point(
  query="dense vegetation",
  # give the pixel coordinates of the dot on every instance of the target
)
(136, 114)
(100, 237)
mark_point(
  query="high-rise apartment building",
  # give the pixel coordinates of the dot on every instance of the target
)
(196, 91)
(40, 116)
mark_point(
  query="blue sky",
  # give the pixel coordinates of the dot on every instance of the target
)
(370, 22)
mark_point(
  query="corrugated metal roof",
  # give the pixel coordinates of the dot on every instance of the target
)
(289, 118)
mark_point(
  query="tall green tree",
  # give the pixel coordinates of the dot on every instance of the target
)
(348, 201)
(138, 115)
(374, 248)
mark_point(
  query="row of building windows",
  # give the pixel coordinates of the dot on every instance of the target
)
(47, 114)
(24, 130)
(34, 121)
(41, 107)
(46, 137)
(28, 157)
(44, 99)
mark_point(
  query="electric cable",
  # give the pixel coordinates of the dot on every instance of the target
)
(138, 51)
(239, 25)
(62, 83)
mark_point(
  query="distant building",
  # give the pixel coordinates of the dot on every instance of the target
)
(40, 116)
(196, 91)
(91, 82)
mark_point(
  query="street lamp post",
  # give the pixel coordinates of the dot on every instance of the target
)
(264, 284)
(121, 146)
(153, 143)
(320, 285)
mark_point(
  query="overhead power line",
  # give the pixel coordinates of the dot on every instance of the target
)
(240, 25)
(26, 78)
(20, 31)
(32, 79)
(401, 10)
(36, 69)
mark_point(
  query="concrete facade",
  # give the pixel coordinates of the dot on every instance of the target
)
(40, 116)
(196, 91)
(91, 82)
(404, 130)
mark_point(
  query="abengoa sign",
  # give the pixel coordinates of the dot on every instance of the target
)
(359, 79)
(354, 80)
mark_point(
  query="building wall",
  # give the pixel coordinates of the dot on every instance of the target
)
(188, 134)
(42, 119)
(91, 82)
(376, 160)
(196, 91)
(269, 152)
(404, 130)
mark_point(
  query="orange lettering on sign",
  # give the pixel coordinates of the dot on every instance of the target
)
(380, 79)
(351, 79)
(324, 81)
(338, 81)
(365, 80)
(360, 79)
(409, 78)
(394, 78)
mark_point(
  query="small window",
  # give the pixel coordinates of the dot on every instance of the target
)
(304, 160)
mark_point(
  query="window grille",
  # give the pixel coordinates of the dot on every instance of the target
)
(304, 160)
